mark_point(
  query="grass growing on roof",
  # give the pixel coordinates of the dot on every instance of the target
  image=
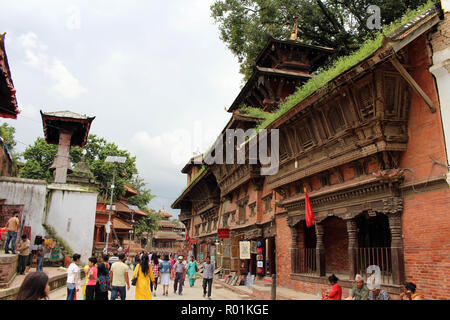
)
(342, 64)
(254, 112)
(203, 168)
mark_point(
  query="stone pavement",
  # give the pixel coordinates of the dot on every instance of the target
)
(194, 293)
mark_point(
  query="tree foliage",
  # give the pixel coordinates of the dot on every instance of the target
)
(339, 24)
(144, 197)
(147, 225)
(7, 133)
(40, 156)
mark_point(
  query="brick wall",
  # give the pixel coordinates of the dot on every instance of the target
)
(440, 40)
(336, 245)
(426, 230)
(283, 252)
(426, 214)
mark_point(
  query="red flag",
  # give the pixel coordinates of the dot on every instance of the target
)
(188, 238)
(309, 215)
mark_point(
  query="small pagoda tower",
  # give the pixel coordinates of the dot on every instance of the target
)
(66, 129)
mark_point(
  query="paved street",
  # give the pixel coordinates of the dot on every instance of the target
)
(195, 293)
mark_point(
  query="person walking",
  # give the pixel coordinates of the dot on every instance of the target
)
(86, 279)
(34, 287)
(119, 278)
(208, 275)
(165, 268)
(73, 277)
(154, 262)
(24, 254)
(136, 260)
(335, 291)
(12, 226)
(40, 257)
(180, 274)
(192, 270)
(103, 282)
(144, 275)
(114, 258)
(92, 279)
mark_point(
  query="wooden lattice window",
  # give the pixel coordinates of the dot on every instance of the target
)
(241, 214)
(252, 209)
(197, 229)
(336, 119)
(306, 136)
(267, 204)
(365, 98)
(225, 219)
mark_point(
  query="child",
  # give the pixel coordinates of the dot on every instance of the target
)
(92, 278)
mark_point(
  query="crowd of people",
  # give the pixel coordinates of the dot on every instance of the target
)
(360, 291)
(109, 275)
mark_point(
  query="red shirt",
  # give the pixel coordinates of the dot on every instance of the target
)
(334, 294)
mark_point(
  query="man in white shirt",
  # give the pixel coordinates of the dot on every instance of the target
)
(73, 277)
(119, 278)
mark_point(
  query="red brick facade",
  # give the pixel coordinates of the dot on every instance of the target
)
(382, 203)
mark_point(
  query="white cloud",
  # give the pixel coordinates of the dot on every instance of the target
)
(74, 20)
(64, 84)
(29, 111)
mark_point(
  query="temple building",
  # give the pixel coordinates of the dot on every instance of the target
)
(8, 101)
(368, 145)
(124, 217)
(8, 108)
(170, 237)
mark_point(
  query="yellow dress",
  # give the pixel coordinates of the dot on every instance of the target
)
(143, 283)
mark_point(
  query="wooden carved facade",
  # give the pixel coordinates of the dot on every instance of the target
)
(281, 67)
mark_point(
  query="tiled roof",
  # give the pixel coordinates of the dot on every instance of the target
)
(8, 101)
(167, 235)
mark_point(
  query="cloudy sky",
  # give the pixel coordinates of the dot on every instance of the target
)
(154, 74)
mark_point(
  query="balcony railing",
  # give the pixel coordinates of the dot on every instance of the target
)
(307, 264)
(380, 257)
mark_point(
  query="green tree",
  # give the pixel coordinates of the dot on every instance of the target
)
(147, 225)
(144, 197)
(7, 133)
(40, 156)
(339, 24)
(96, 151)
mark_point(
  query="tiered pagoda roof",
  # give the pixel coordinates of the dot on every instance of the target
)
(55, 122)
(8, 101)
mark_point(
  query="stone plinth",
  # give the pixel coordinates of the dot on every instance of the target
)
(8, 265)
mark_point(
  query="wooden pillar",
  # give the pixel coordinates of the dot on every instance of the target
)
(97, 234)
(294, 249)
(352, 247)
(398, 267)
(320, 250)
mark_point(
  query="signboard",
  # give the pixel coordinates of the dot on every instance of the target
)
(259, 251)
(193, 241)
(259, 257)
(223, 233)
(244, 250)
(253, 245)
(259, 264)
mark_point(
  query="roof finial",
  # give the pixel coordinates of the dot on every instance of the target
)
(294, 33)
